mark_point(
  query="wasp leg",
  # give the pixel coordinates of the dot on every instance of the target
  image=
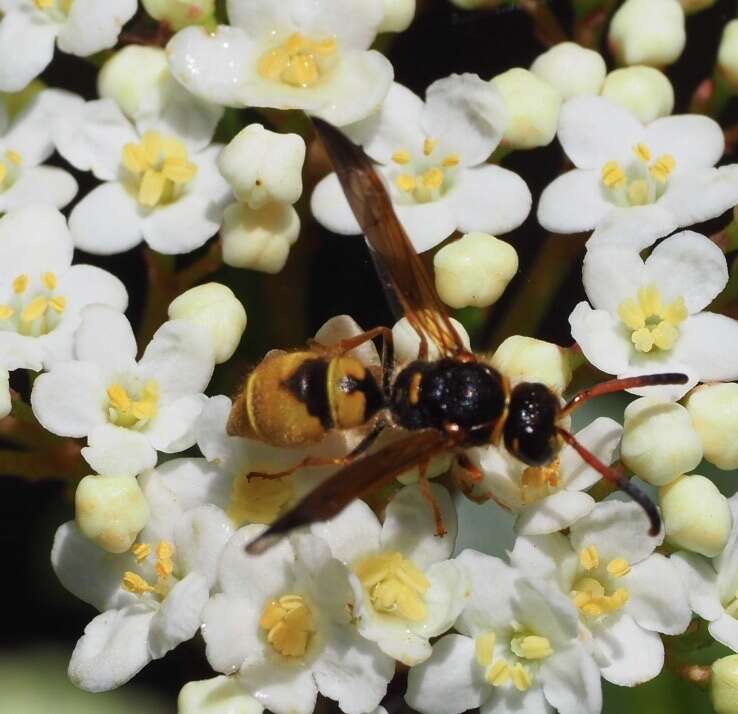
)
(351, 343)
(425, 489)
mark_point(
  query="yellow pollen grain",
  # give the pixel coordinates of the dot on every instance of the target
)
(613, 175)
(14, 157)
(589, 557)
(49, 280)
(20, 284)
(406, 183)
(289, 625)
(6, 312)
(521, 677)
(432, 178)
(402, 157)
(118, 397)
(484, 648)
(134, 583)
(58, 303)
(429, 146)
(642, 152)
(141, 551)
(35, 309)
(618, 567)
(451, 160)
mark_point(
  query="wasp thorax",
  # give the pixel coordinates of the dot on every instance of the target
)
(530, 428)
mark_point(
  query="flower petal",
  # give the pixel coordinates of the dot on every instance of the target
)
(113, 450)
(633, 228)
(510, 701)
(725, 631)
(53, 186)
(84, 285)
(279, 688)
(571, 681)
(353, 22)
(700, 579)
(92, 26)
(106, 220)
(449, 681)
(352, 534)
(574, 202)
(260, 17)
(230, 630)
(117, 351)
(490, 199)
(427, 224)
(542, 607)
(611, 275)
(548, 556)
(26, 48)
(706, 344)
(599, 335)
(688, 265)
(445, 598)
(331, 209)
(174, 427)
(692, 139)
(554, 513)
(601, 437)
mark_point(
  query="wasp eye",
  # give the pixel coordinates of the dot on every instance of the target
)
(530, 429)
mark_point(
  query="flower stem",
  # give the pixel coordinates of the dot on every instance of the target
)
(591, 19)
(547, 27)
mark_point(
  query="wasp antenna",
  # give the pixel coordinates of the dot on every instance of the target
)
(278, 530)
(620, 385)
(617, 478)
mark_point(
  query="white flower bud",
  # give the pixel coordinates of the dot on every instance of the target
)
(696, 515)
(398, 14)
(215, 307)
(714, 412)
(259, 239)
(644, 91)
(5, 401)
(263, 166)
(532, 107)
(407, 342)
(659, 442)
(111, 511)
(727, 58)
(474, 270)
(135, 77)
(437, 466)
(724, 685)
(180, 13)
(648, 32)
(693, 6)
(219, 695)
(526, 359)
(572, 69)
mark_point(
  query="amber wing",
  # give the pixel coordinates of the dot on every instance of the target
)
(354, 481)
(398, 261)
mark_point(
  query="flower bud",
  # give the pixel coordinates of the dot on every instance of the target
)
(659, 442)
(727, 58)
(407, 342)
(263, 166)
(696, 515)
(5, 401)
(398, 14)
(111, 511)
(135, 77)
(219, 695)
(437, 466)
(526, 359)
(215, 307)
(693, 6)
(532, 107)
(177, 14)
(644, 91)
(571, 69)
(648, 32)
(259, 239)
(724, 685)
(474, 270)
(714, 412)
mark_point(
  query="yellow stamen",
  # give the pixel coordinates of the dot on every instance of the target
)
(289, 625)
(451, 160)
(642, 152)
(538, 481)
(521, 677)
(406, 183)
(432, 178)
(663, 167)
(134, 158)
(164, 561)
(6, 312)
(134, 583)
(664, 335)
(613, 175)
(590, 598)
(299, 61)
(14, 157)
(429, 146)
(152, 187)
(676, 312)
(402, 157)
(141, 551)
(179, 170)
(118, 397)
(498, 673)
(642, 340)
(35, 309)
(653, 323)
(631, 314)
(3, 173)
(618, 567)
(258, 500)
(44, 4)
(20, 284)
(49, 280)
(639, 192)
(589, 557)
(484, 648)
(531, 647)
(58, 303)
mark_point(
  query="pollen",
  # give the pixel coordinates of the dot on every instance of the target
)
(20, 284)
(164, 559)
(618, 567)
(289, 625)
(406, 183)
(498, 673)
(663, 167)
(402, 157)
(141, 551)
(521, 677)
(537, 482)
(613, 175)
(395, 585)
(132, 412)
(484, 648)
(531, 647)
(451, 160)
(589, 557)
(592, 600)
(49, 280)
(642, 152)
(652, 322)
(35, 309)
(299, 61)
(258, 500)
(6, 312)
(429, 146)
(134, 583)
(432, 178)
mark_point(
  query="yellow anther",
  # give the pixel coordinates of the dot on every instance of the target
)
(531, 647)
(58, 303)
(429, 146)
(639, 192)
(642, 340)
(151, 190)
(20, 284)
(432, 178)
(498, 673)
(538, 481)
(164, 561)
(395, 585)
(302, 71)
(3, 173)
(521, 677)
(6, 312)
(406, 183)
(650, 299)
(35, 309)
(664, 335)
(613, 175)
(119, 398)
(631, 314)
(134, 158)
(663, 167)
(589, 557)
(141, 551)
(618, 599)
(289, 625)
(642, 152)
(402, 157)
(134, 583)
(484, 648)
(44, 4)
(618, 567)
(451, 160)
(653, 323)
(49, 280)
(676, 312)
(179, 170)
(143, 410)
(299, 61)
(258, 500)
(14, 157)
(590, 598)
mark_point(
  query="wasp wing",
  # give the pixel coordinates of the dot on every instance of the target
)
(399, 266)
(354, 481)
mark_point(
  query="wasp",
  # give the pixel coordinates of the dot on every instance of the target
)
(450, 403)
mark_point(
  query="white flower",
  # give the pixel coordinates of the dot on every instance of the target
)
(6, 404)
(139, 80)
(25, 143)
(41, 292)
(105, 395)
(662, 172)
(713, 585)
(288, 55)
(263, 166)
(151, 598)
(518, 651)
(527, 359)
(411, 591)
(157, 188)
(218, 695)
(431, 155)
(549, 498)
(571, 69)
(645, 91)
(177, 14)
(648, 316)
(283, 620)
(625, 593)
(29, 27)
